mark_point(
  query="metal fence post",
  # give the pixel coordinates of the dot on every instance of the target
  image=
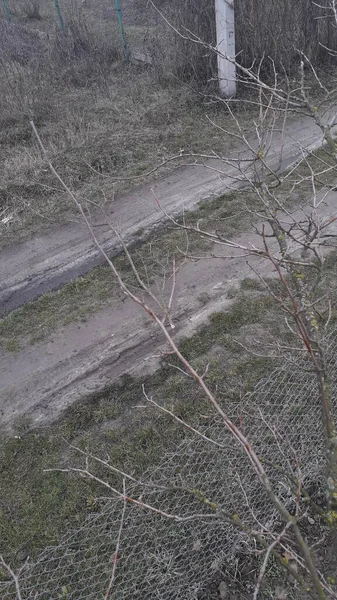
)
(121, 26)
(59, 15)
(6, 10)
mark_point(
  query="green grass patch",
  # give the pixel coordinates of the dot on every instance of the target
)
(37, 507)
(73, 302)
(244, 311)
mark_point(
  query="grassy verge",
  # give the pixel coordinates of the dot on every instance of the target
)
(85, 295)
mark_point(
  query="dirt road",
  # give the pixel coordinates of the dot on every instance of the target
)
(40, 381)
(46, 262)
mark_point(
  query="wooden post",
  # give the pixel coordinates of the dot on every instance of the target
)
(225, 33)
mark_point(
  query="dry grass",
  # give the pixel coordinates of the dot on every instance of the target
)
(98, 118)
(272, 32)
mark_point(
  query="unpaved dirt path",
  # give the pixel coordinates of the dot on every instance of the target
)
(40, 381)
(46, 262)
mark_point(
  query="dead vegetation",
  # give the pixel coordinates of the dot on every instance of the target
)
(252, 315)
(101, 119)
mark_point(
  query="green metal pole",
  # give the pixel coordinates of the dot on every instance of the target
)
(6, 9)
(59, 15)
(121, 26)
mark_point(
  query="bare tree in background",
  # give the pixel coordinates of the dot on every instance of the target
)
(300, 242)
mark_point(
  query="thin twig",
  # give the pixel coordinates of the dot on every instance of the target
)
(181, 422)
(265, 561)
(14, 577)
(115, 556)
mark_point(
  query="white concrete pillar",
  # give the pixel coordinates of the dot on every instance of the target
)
(225, 32)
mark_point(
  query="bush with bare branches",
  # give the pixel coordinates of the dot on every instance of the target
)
(264, 477)
(277, 30)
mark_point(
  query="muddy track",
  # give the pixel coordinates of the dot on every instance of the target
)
(41, 381)
(79, 360)
(48, 261)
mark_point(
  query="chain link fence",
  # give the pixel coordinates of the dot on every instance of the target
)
(160, 558)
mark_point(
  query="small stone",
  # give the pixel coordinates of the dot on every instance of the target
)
(22, 555)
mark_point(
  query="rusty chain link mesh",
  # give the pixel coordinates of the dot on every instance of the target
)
(160, 558)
